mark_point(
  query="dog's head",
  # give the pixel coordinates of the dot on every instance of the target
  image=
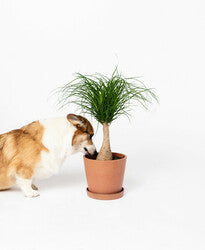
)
(82, 138)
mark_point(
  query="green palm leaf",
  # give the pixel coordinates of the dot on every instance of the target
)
(105, 98)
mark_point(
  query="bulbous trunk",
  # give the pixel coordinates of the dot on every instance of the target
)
(105, 153)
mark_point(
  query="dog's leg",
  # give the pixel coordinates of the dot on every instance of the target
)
(24, 181)
(25, 186)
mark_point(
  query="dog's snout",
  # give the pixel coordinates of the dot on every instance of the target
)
(86, 150)
(95, 153)
(90, 151)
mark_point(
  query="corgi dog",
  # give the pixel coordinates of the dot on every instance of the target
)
(37, 150)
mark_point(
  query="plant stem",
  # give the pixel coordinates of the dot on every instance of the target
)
(105, 153)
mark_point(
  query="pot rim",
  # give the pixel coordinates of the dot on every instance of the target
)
(123, 158)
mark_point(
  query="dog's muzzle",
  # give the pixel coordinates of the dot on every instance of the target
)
(95, 153)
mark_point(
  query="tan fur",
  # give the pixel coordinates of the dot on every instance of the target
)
(79, 137)
(84, 129)
(19, 152)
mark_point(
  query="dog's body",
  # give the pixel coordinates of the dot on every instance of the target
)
(37, 151)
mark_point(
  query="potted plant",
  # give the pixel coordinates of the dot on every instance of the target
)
(105, 99)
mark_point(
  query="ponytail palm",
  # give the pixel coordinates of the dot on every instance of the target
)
(105, 98)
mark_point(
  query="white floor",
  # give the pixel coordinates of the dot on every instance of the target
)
(163, 207)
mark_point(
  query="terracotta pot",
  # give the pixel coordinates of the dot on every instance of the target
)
(105, 178)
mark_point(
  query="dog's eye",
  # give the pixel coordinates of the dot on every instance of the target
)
(91, 136)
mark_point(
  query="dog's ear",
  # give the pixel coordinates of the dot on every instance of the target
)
(76, 120)
(81, 123)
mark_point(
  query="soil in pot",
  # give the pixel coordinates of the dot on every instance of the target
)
(114, 157)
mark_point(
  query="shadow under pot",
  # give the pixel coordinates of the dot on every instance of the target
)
(105, 178)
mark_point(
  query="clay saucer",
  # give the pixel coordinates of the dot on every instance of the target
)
(105, 196)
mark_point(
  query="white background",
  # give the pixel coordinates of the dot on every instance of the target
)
(42, 43)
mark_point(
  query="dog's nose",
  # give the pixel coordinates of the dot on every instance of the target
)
(95, 153)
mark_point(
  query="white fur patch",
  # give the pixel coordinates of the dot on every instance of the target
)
(57, 139)
(26, 187)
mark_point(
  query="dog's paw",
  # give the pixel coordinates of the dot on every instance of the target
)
(32, 193)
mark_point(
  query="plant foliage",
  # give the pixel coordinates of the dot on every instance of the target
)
(105, 98)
